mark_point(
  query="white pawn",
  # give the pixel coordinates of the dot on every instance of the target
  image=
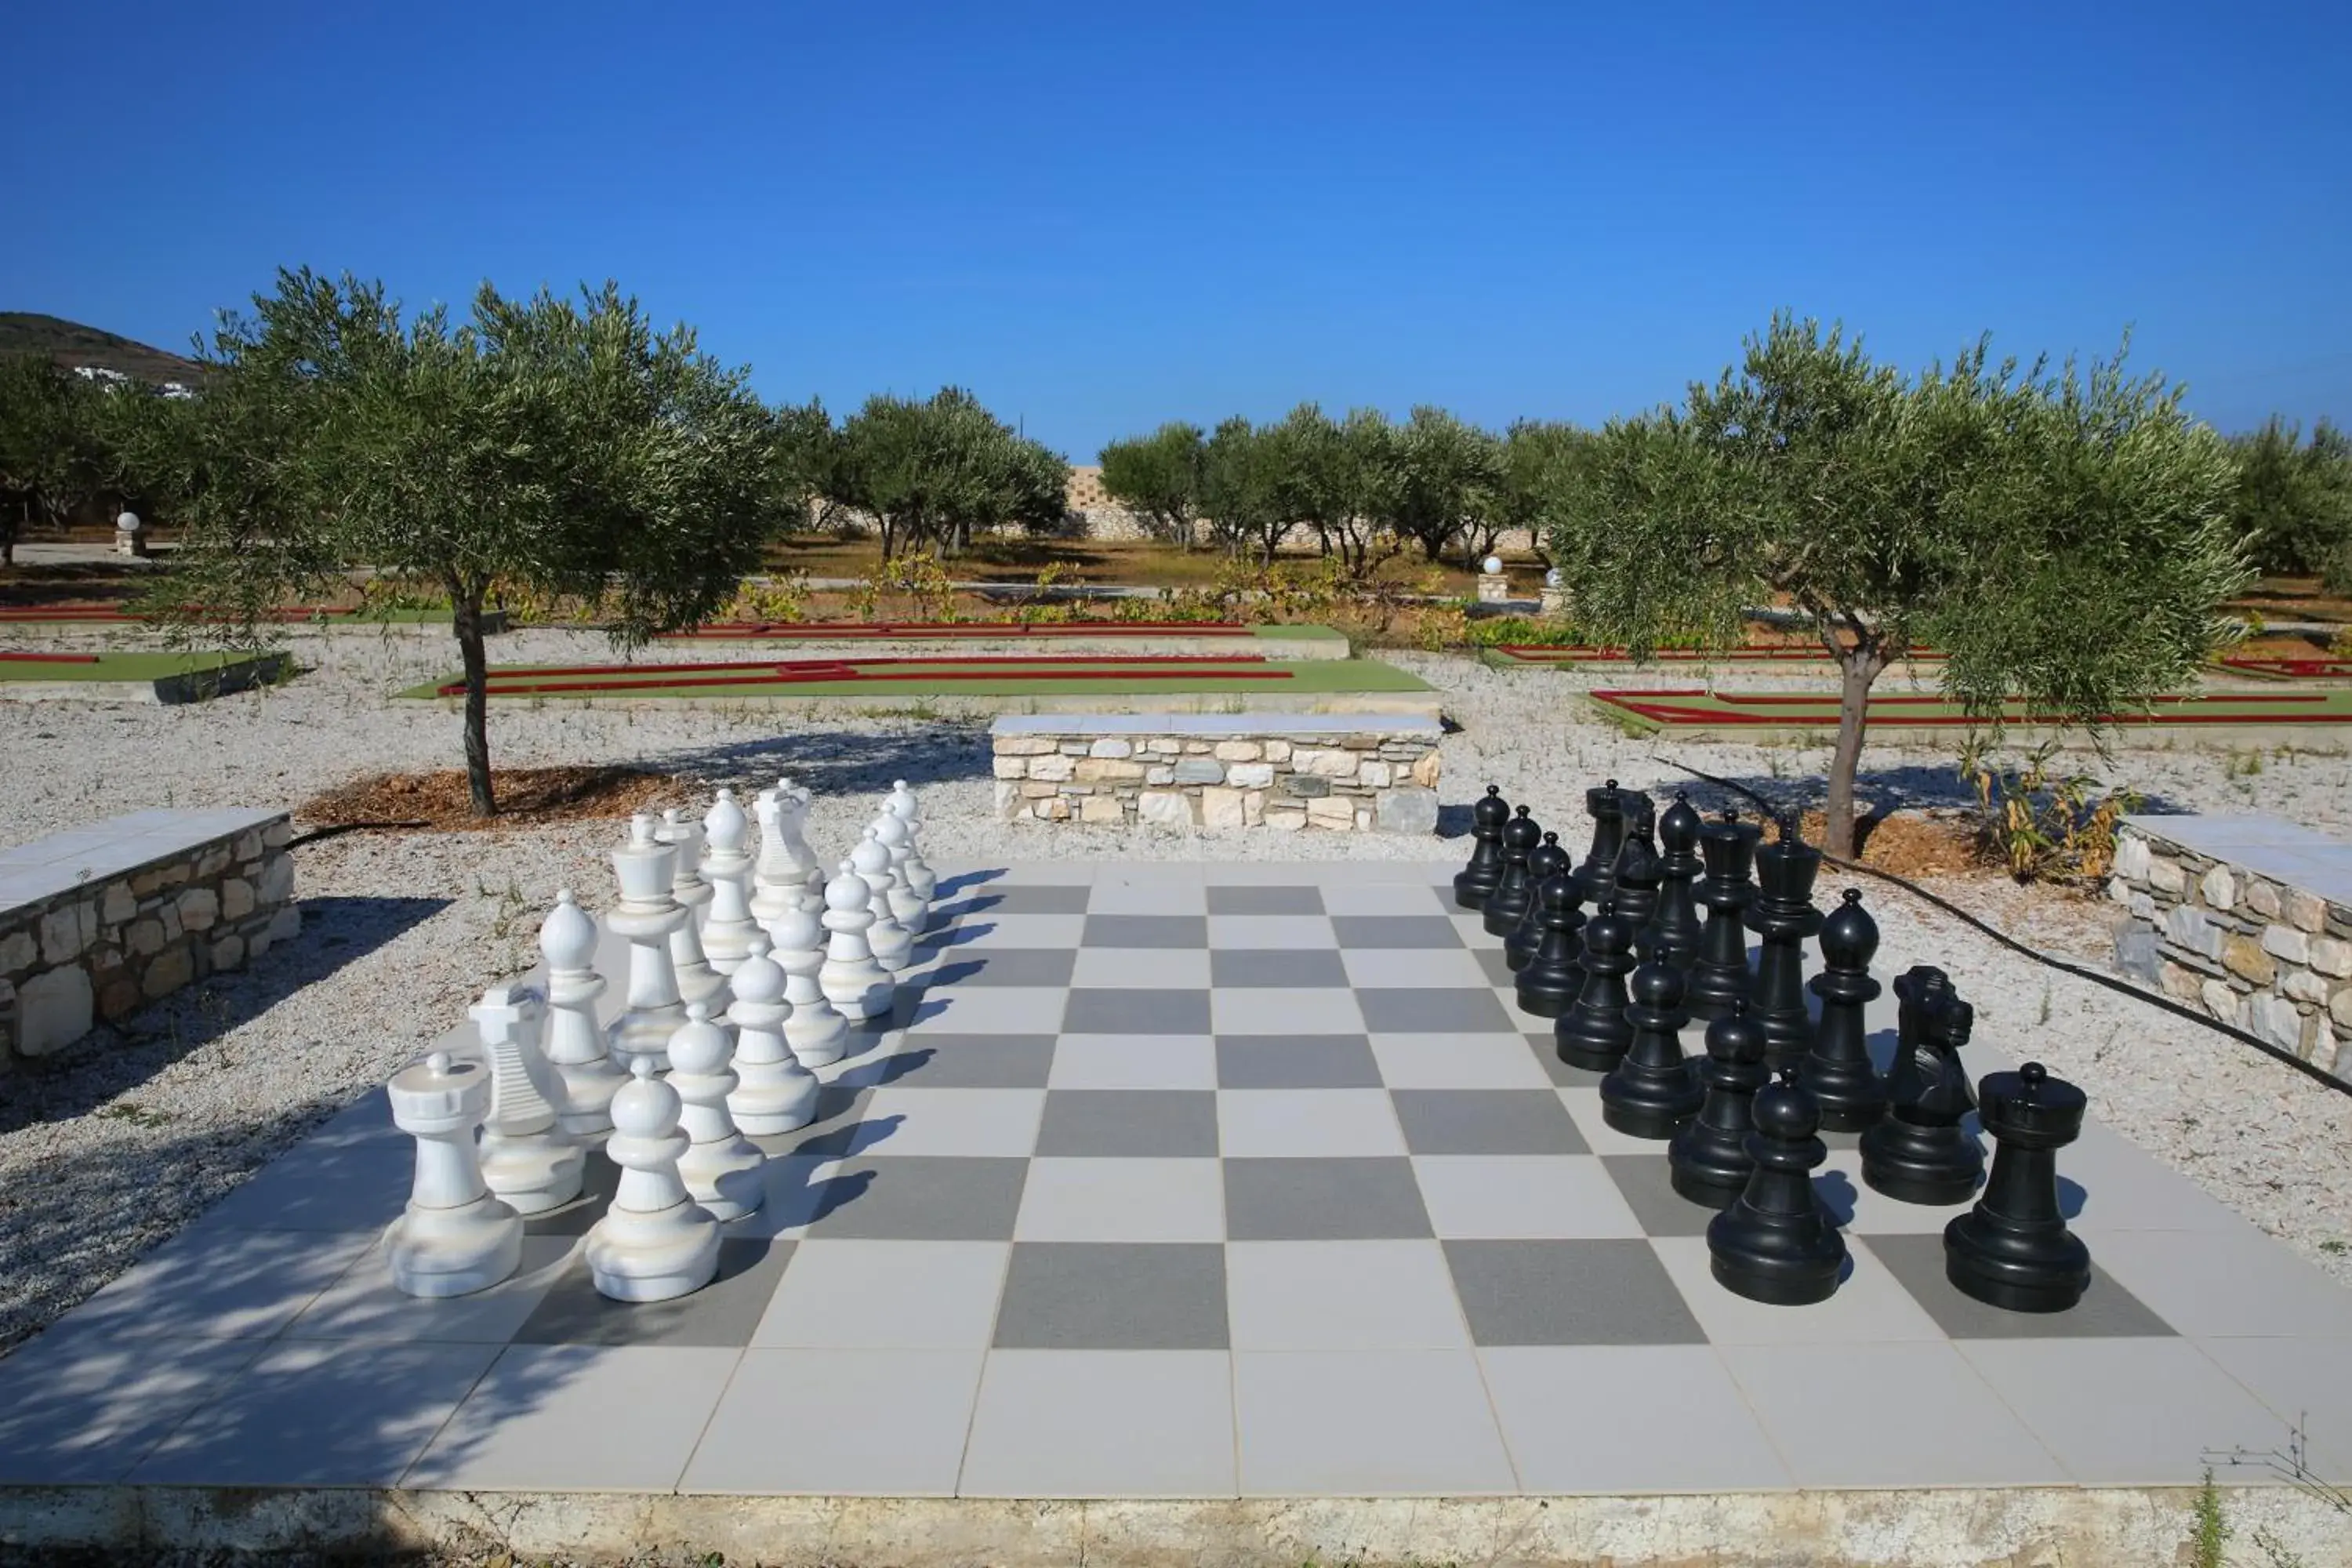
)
(773, 1092)
(913, 910)
(654, 1243)
(727, 935)
(574, 1042)
(526, 1161)
(454, 1238)
(697, 980)
(900, 803)
(775, 880)
(850, 978)
(721, 1167)
(647, 915)
(816, 1031)
(892, 944)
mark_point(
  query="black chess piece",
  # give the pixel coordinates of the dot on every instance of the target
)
(1718, 975)
(1921, 1153)
(1783, 916)
(1652, 1090)
(1838, 1068)
(1594, 1033)
(1638, 872)
(2013, 1249)
(1596, 877)
(1776, 1245)
(1549, 985)
(1545, 861)
(1476, 883)
(1521, 835)
(1674, 928)
(1708, 1159)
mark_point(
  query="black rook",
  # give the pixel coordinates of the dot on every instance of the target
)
(2014, 1248)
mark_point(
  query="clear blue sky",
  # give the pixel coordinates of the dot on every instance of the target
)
(1099, 217)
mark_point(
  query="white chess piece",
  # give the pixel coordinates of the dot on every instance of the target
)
(575, 1044)
(528, 1162)
(816, 1031)
(727, 935)
(892, 944)
(919, 877)
(654, 1242)
(721, 1167)
(792, 822)
(697, 980)
(851, 980)
(773, 1092)
(647, 915)
(454, 1238)
(912, 909)
(775, 880)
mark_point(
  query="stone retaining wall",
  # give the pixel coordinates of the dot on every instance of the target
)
(1285, 772)
(135, 910)
(2251, 949)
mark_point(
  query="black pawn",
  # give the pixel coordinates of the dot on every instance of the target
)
(1549, 985)
(1718, 975)
(1783, 916)
(1476, 883)
(1594, 1033)
(1638, 873)
(2013, 1249)
(1652, 1092)
(1838, 1068)
(1545, 861)
(1921, 1153)
(1776, 1245)
(1708, 1159)
(1596, 879)
(1675, 929)
(1521, 835)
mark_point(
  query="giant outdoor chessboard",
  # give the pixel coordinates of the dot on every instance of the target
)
(1190, 1180)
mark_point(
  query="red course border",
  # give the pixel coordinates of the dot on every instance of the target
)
(854, 630)
(49, 657)
(1659, 706)
(1580, 653)
(804, 672)
(2319, 667)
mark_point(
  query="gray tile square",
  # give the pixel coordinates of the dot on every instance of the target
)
(1076, 1295)
(1265, 901)
(1596, 1291)
(1388, 1011)
(1102, 1424)
(1173, 1123)
(1646, 1183)
(1136, 1010)
(1296, 1061)
(1486, 1121)
(916, 1197)
(82, 1406)
(1147, 931)
(1016, 898)
(1000, 966)
(1331, 1198)
(541, 1420)
(2106, 1311)
(1395, 931)
(1279, 968)
(970, 1009)
(931, 1060)
(721, 1314)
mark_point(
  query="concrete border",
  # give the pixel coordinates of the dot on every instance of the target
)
(1944, 1527)
(169, 690)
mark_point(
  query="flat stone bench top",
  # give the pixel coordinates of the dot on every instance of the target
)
(87, 856)
(2285, 851)
(1408, 726)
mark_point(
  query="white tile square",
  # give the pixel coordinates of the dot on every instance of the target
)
(2237, 1281)
(1628, 1418)
(1278, 932)
(1321, 1010)
(364, 1304)
(878, 1424)
(1342, 1295)
(1457, 1062)
(78, 1405)
(541, 1420)
(222, 1284)
(2125, 1412)
(1522, 1197)
(2306, 1383)
(1399, 898)
(1102, 1424)
(955, 1121)
(993, 1010)
(1875, 1214)
(1870, 1306)
(1142, 966)
(1122, 1199)
(1301, 1122)
(2119, 1185)
(1134, 1061)
(1825, 1409)
(1367, 1424)
(1583, 1104)
(1441, 969)
(886, 1295)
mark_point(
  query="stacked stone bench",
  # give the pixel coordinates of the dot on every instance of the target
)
(2250, 918)
(97, 923)
(1344, 773)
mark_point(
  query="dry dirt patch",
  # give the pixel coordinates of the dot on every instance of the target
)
(526, 798)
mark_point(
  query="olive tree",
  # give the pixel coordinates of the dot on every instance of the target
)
(2292, 500)
(1159, 478)
(934, 473)
(53, 449)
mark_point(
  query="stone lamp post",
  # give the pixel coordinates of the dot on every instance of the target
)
(130, 537)
(1494, 587)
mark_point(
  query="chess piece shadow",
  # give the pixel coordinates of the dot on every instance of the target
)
(1837, 1194)
(956, 971)
(2071, 1199)
(887, 1069)
(963, 880)
(835, 1193)
(846, 1142)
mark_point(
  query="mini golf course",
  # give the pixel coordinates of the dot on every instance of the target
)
(114, 615)
(134, 677)
(1159, 637)
(2324, 717)
(1529, 656)
(2318, 666)
(1054, 682)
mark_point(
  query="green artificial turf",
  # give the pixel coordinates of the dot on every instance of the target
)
(1296, 634)
(123, 667)
(1818, 710)
(1309, 676)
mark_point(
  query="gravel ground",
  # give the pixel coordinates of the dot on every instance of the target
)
(147, 1126)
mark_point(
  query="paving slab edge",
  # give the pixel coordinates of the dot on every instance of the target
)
(1943, 1527)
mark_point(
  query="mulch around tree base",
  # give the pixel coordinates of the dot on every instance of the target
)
(526, 797)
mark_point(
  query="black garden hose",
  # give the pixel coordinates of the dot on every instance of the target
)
(333, 828)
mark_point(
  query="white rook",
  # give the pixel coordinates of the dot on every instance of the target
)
(454, 1238)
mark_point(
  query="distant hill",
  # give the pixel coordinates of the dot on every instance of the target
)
(73, 345)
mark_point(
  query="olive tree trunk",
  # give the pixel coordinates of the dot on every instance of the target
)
(466, 605)
(1858, 667)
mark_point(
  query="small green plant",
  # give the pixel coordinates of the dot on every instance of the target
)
(136, 1114)
(2212, 1537)
(2045, 1006)
(511, 908)
(2335, 1247)
(2042, 825)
